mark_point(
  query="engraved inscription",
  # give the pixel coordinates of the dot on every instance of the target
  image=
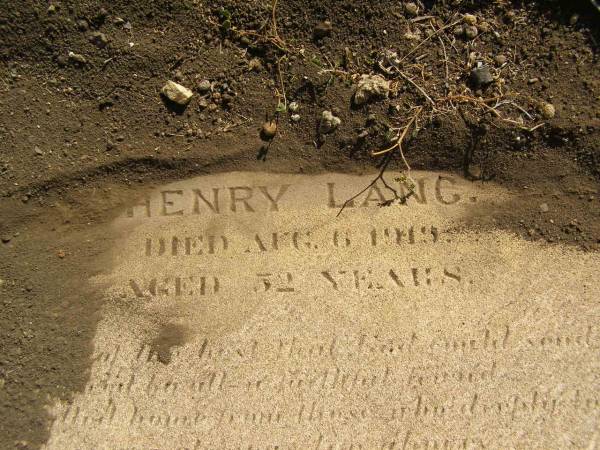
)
(217, 200)
(243, 313)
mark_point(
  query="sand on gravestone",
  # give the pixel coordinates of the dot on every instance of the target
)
(242, 312)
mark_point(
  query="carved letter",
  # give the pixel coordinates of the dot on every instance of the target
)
(340, 241)
(418, 191)
(167, 203)
(139, 292)
(214, 206)
(145, 203)
(329, 278)
(296, 240)
(161, 247)
(332, 203)
(381, 199)
(273, 201)
(455, 276)
(395, 278)
(438, 191)
(244, 200)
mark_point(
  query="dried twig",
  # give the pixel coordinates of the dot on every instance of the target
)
(400, 139)
(388, 154)
(429, 37)
(447, 72)
(275, 20)
(419, 88)
(281, 82)
(382, 169)
(509, 102)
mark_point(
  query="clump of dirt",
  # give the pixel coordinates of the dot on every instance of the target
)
(502, 91)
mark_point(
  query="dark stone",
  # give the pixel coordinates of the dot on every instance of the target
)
(98, 39)
(62, 60)
(323, 29)
(83, 25)
(481, 76)
(227, 99)
(101, 15)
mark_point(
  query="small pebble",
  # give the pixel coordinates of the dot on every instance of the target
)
(481, 76)
(204, 86)
(363, 135)
(62, 60)
(293, 107)
(98, 39)
(471, 31)
(255, 65)
(77, 58)
(544, 207)
(202, 104)
(328, 122)
(370, 87)
(500, 59)
(101, 15)
(573, 20)
(269, 130)
(38, 151)
(475, 171)
(470, 19)
(227, 99)
(323, 29)
(295, 117)
(411, 9)
(5, 239)
(484, 27)
(548, 111)
(177, 93)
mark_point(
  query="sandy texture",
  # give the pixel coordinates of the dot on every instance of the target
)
(243, 313)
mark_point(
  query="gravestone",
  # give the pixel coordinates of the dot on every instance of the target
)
(243, 312)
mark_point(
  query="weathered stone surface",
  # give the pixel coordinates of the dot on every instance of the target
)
(242, 312)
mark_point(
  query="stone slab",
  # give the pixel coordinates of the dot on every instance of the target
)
(243, 313)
